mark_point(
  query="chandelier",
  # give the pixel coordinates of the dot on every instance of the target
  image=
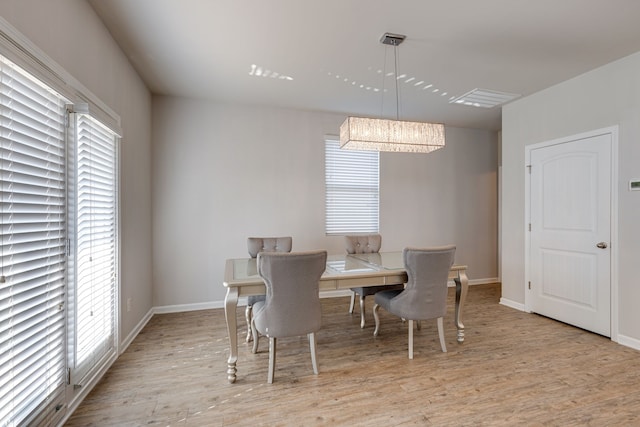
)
(361, 133)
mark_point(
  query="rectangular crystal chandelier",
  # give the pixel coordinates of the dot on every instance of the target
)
(359, 133)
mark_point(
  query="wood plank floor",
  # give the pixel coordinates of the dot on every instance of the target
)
(513, 369)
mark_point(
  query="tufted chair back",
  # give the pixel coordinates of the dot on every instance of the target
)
(363, 244)
(268, 244)
(255, 245)
(425, 295)
(292, 305)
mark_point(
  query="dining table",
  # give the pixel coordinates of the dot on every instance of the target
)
(342, 272)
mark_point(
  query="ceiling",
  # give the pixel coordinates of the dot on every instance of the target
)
(326, 55)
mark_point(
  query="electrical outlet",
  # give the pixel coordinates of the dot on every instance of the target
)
(128, 304)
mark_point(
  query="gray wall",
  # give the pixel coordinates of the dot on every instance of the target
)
(604, 97)
(71, 34)
(224, 172)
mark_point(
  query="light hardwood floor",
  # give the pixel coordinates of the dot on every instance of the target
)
(513, 369)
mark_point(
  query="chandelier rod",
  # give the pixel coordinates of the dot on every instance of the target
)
(395, 59)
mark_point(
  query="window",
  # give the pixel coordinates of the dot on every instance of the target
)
(352, 190)
(33, 246)
(94, 257)
(58, 248)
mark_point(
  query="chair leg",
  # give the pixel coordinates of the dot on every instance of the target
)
(312, 348)
(272, 359)
(441, 334)
(256, 337)
(352, 303)
(362, 311)
(247, 316)
(376, 317)
(410, 339)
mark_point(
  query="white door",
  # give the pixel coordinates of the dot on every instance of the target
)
(570, 214)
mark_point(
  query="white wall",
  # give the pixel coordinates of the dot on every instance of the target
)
(70, 33)
(222, 173)
(604, 97)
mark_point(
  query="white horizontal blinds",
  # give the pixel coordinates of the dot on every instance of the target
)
(32, 247)
(352, 190)
(95, 253)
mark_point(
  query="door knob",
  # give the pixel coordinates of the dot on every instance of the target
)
(602, 245)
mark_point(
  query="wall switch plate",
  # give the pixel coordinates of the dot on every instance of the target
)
(634, 185)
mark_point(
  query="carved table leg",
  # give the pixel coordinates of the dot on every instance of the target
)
(462, 286)
(230, 305)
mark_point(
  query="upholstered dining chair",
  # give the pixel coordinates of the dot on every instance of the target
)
(256, 245)
(365, 244)
(292, 304)
(425, 294)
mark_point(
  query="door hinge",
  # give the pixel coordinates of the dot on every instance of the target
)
(529, 226)
(529, 284)
(529, 167)
(68, 375)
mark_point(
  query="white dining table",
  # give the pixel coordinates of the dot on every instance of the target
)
(343, 272)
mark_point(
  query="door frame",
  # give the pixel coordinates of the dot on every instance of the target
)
(613, 132)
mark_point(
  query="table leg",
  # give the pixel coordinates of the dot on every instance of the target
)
(230, 305)
(462, 286)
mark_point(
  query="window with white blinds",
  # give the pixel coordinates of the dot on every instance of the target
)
(32, 247)
(94, 257)
(351, 190)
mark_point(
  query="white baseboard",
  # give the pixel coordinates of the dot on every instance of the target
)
(86, 389)
(633, 343)
(333, 294)
(485, 281)
(192, 307)
(629, 342)
(91, 383)
(243, 301)
(512, 304)
(134, 333)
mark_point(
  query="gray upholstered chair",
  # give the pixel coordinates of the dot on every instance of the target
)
(425, 294)
(256, 245)
(365, 244)
(292, 304)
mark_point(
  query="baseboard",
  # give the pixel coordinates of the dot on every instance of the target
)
(485, 281)
(333, 294)
(633, 343)
(629, 342)
(178, 308)
(86, 389)
(91, 383)
(134, 333)
(243, 300)
(512, 304)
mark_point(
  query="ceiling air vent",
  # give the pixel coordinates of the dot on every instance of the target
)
(484, 98)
